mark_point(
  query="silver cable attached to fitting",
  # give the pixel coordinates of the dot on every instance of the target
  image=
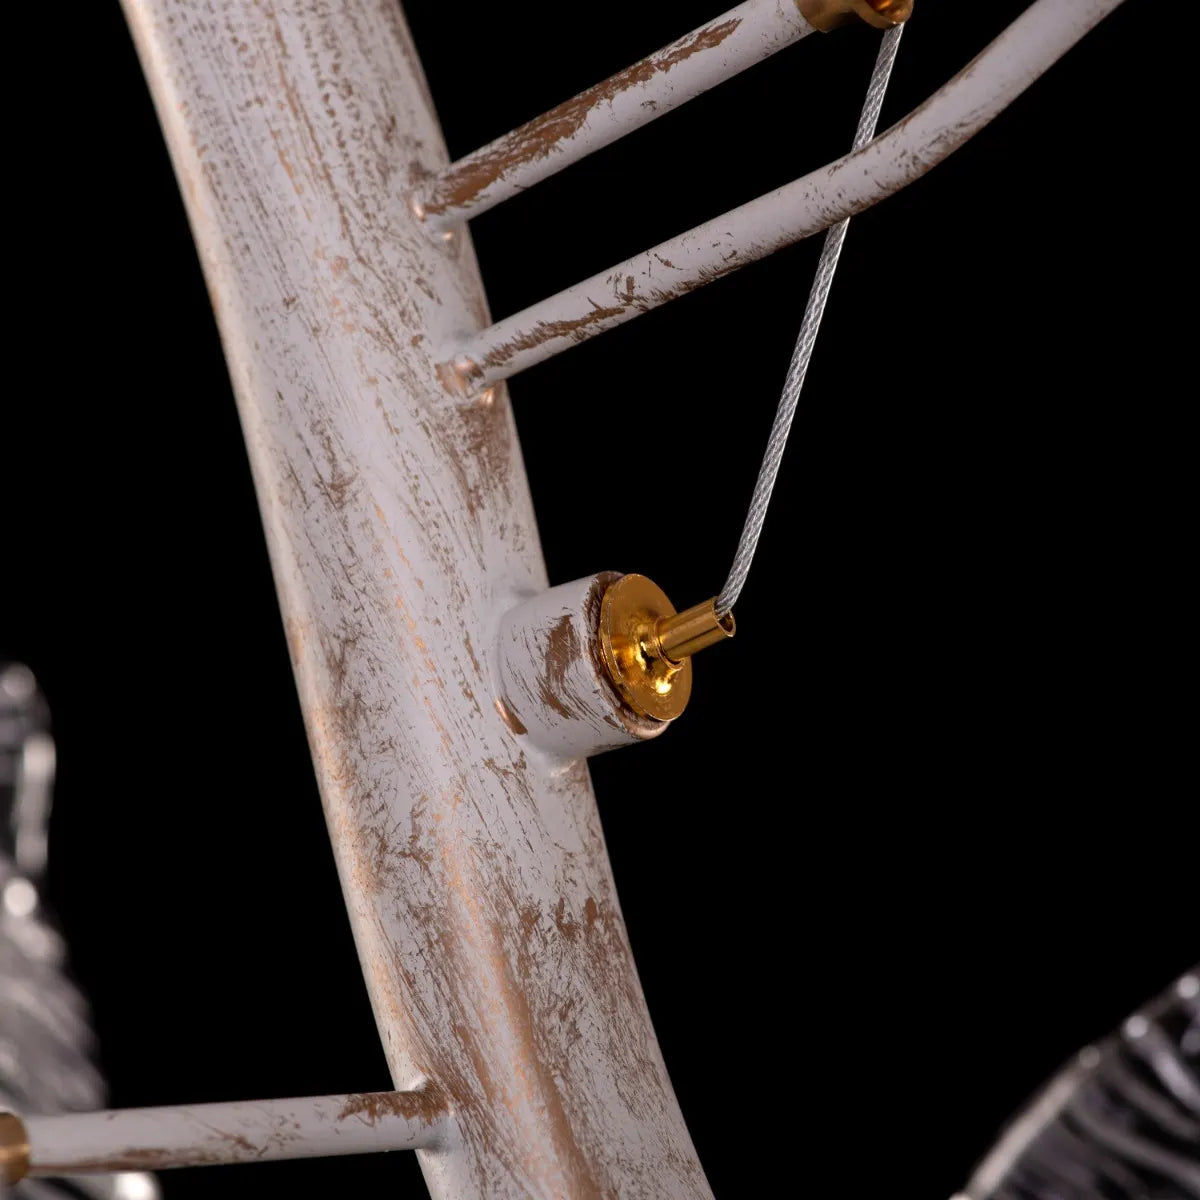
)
(802, 355)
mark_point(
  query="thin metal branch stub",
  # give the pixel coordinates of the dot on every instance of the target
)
(743, 36)
(139, 1139)
(927, 136)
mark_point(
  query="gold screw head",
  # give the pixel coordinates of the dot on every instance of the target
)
(652, 686)
(646, 646)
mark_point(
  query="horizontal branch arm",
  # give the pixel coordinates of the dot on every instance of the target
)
(141, 1139)
(685, 69)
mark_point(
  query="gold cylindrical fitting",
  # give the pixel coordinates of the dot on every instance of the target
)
(828, 14)
(646, 646)
(14, 1148)
(685, 633)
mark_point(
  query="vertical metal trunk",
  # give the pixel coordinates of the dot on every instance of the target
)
(400, 529)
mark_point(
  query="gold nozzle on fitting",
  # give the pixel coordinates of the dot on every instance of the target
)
(14, 1148)
(681, 636)
(647, 646)
(828, 14)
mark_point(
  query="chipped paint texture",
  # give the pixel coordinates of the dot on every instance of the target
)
(679, 72)
(551, 677)
(932, 132)
(400, 530)
(200, 1135)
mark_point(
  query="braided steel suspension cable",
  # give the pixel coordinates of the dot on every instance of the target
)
(802, 355)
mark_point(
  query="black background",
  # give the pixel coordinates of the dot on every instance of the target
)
(926, 828)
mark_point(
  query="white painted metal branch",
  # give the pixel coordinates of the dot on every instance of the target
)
(685, 69)
(139, 1139)
(932, 132)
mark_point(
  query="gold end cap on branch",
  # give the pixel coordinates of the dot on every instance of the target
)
(14, 1148)
(828, 14)
(647, 646)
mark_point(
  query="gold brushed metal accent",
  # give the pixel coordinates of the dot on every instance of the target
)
(14, 1148)
(828, 14)
(647, 646)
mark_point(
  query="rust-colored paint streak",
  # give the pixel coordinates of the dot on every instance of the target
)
(148, 1158)
(242, 1143)
(572, 1159)
(482, 1095)
(471, 654)
(562, 648)
(484, 435)
(540, 137)
(563, 923)
(509, 717)
(627, 297)
(547, 331)
(427, 1104)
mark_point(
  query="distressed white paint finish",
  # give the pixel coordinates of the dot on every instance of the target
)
(948, 119)
(400, 529)
(680, 72)
(252, 1131)
(553, 686)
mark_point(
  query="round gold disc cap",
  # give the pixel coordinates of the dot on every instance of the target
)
(652, 686)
